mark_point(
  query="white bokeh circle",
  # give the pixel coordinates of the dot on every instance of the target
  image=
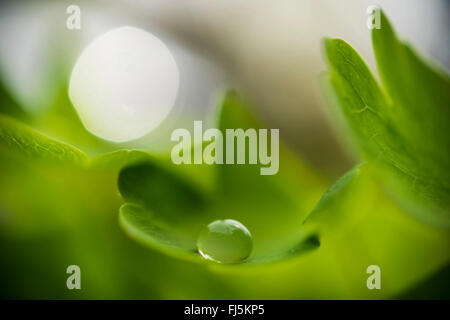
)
(124, 84)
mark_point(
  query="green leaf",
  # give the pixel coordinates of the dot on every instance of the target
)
(46, 183)
(140, 224)
(401, 129)
(166, 211)
(359, 225)
(337, 196)
(159, 190)
(22, 141)
(18, 138)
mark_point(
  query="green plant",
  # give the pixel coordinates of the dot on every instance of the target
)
(403, 127)
(65, 203)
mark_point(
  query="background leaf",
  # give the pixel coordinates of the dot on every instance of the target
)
(403, 132)
(19, 138)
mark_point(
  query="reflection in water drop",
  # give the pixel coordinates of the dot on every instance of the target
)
(225, 241)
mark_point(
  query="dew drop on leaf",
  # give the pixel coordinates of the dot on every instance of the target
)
(225, 241)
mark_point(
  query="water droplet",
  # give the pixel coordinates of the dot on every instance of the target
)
(124, 84)
(225, 241)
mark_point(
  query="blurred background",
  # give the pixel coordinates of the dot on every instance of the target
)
(269, 51)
